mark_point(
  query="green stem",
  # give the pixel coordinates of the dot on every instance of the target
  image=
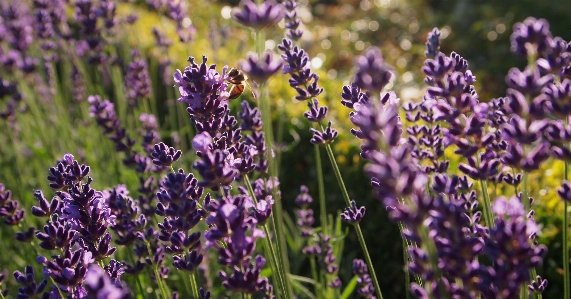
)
(317, 285)
(193, 285)
(527, 205)
(268, 246)
(337, 173)
(160, 283)
(369, 261)
(265, 108)
(139, 285)
(487, 205)
(280, 235)
(525, 195)
(57, 287)
(357, 227)
(406, 258)
(567, 283)
(162, 289)
(322, 206)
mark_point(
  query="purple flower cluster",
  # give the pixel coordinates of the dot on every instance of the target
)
(16, 29)
(305, 218)
(11, 100)
(234, 221)
(225, 153)
(78, 223)
(27, 281)
(137, 80)
(292, 21)
(366, 289)
(106, 117)
(176, 11)
(439, 212)
(260, 69)
(268, 14)
(9, 208)
(305, 82)
(178, 203)
(537, 98)
(322, 248)
(373, 74)
(131, 228)
(98, 285)
(163, 44)
(92, 44)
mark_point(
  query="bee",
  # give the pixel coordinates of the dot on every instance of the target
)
(239, 81)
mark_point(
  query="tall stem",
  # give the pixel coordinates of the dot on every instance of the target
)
(566, 280)
(270, 250)
(265, 108)
(193, 285)
(317, 285)
(357, 227)
(487, 205)
(406, 258)
(322, 209)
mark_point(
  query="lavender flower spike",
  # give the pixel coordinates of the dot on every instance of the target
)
(373, 74)
(164, 155)
(258, 69)
(99, 285)
(353, 214)
(259, 17)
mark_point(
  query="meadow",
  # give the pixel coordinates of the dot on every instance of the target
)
(263, 149)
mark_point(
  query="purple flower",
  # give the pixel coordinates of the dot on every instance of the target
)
(28, 286)
(304, 215)
(353, 214)
(69, 268)
(205, 91)
(247, 281)
(215, 169)
(316, 113)
(531, 37)
(12, 99)
(269, 13)
(201, 142)
(56, 235)
(9, 208)
(538, 285)
(258, 69)
(99, 285)
(323, 249)
(372, 74)
(327, 136)
(292, 21)
(432, 43)
(263, 210)
(366, 288)
(137, 80)
(251, 118)
(163, 155)
(303, 79)
(188, 262)
(161, 40)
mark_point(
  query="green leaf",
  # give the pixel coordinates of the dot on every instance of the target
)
(349, 288)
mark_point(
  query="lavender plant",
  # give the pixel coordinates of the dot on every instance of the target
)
(205, 213)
